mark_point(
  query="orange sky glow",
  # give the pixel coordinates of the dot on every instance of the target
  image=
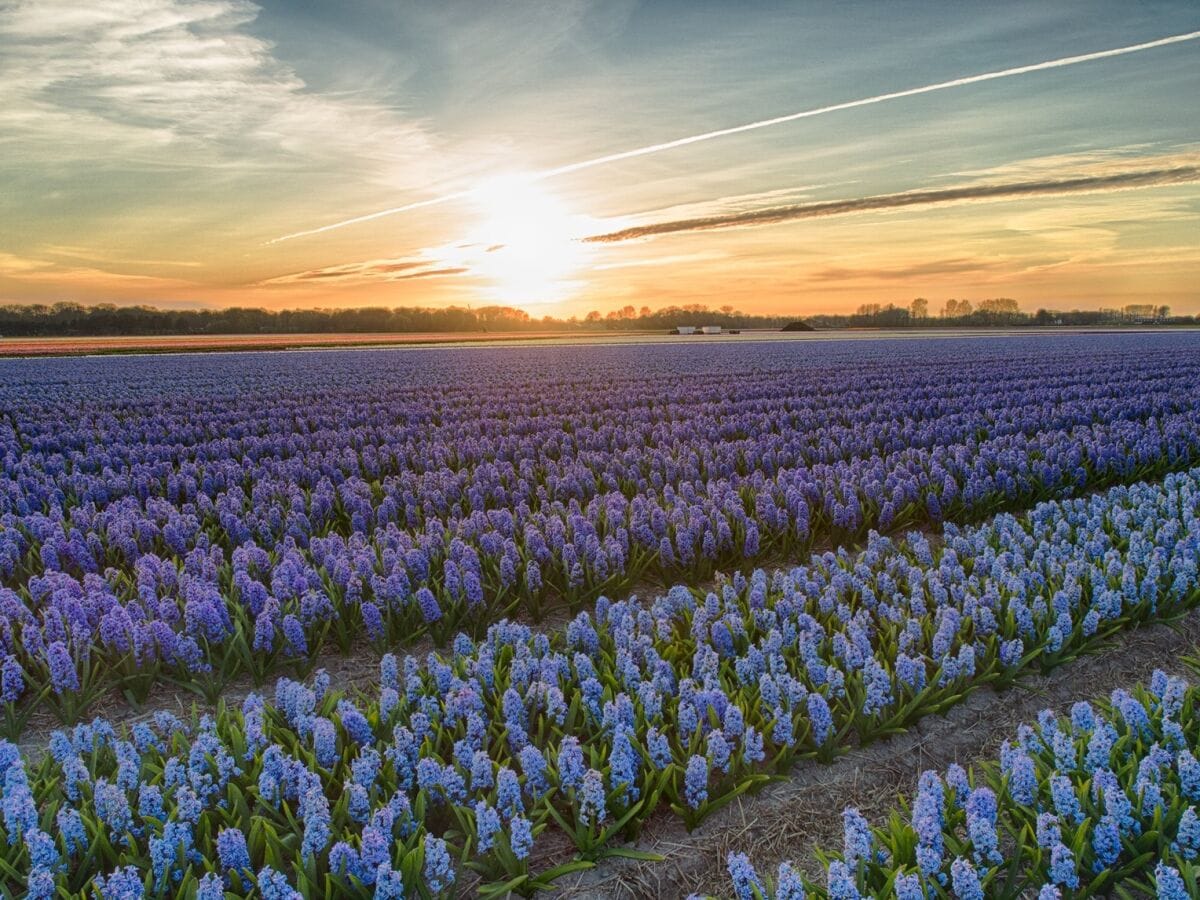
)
(795, 161)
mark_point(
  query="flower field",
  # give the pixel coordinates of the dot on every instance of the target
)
(170, 519)
(937, 519)
(1071, 808)
(462, 762)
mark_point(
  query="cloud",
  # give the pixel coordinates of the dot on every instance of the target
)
(400, 269)
(168, 83)
(673, 260)
(33, 270)
(650, 149)
(900, 273)
(436, 273)
(70, 252)
(871, 101)
(736, 203)
(972, 193)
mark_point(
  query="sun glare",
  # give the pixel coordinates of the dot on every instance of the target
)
(524, 243)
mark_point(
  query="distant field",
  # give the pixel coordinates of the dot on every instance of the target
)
(85, 346)
(71, 346)
(948, 515)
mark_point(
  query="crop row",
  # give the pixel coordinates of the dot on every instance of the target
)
(461, 763)
(169, 519)
(1102, 801)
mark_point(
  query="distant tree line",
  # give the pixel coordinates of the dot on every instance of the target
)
(992, 313)
(76, 320)
(629, 318)
(108, 320)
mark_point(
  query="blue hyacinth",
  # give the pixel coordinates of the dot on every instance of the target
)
(487, 826)
(210, 888)
(841, 883)
(1187, 837)
(965, 880)
(788, 883)
(274, 885)
(593, 807)
(908, 887)
(696, 782)
(1062, 867)
(746, 883)
(820, 718)
(123, 884)
(232, 850)
(981, 809)
(857, 840)
(438, 870)
(1169, 884)
(41, 884)
(521, 837)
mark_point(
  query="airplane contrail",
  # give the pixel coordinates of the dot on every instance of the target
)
(762, 123)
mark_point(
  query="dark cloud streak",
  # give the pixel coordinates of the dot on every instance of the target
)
(387, 270)
(434, 273)
(968, 193)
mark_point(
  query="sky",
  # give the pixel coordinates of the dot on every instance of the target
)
(224, 152)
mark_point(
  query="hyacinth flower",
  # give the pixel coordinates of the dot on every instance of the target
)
(501, 852)
(698, 789)
(294, 517)
(14, 699)
(588, 820)
(71, 682)
(749, 884)
(1173, 884)
(163, 800)
(513, 689)
(746, 883)
(1149, 846)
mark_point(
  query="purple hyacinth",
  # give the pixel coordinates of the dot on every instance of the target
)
(63, 676)
(428, 605)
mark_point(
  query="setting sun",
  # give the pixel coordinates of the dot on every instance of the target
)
(524, 246)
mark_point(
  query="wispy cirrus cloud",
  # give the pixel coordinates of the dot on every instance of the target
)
(672, 260)
(35, 270)
(968, 193)
(168, 83)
